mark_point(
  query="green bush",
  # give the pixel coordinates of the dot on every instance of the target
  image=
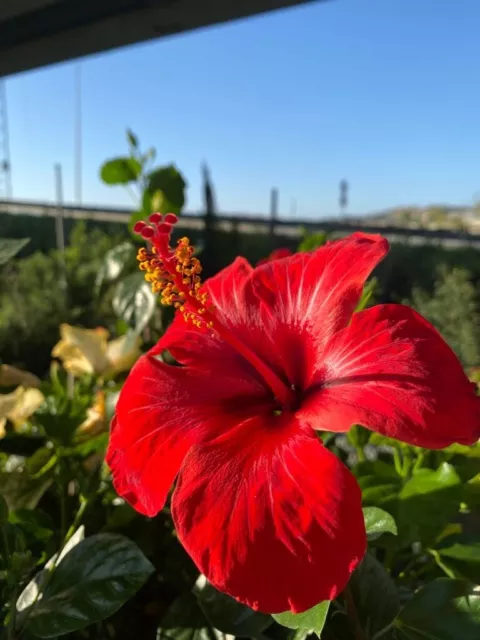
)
(453, 310)
(33, 301)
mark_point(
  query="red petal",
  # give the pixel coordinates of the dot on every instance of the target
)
(310, 296)
(278, 254)
(226, 291)
(270, 516)
(391, 371)
(203, 349)
(162, 410)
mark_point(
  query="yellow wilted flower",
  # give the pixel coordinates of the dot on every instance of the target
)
(87, 351)
(12, 377)
(18, 406)
(96, 420)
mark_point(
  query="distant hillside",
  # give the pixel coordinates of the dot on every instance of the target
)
(432, 217)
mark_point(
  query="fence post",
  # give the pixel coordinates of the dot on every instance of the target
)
(273, 210)
(209, 257)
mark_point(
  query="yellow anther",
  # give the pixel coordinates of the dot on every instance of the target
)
(174, 274)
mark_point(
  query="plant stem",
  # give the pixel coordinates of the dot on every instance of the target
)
(397, 462)
(407, 463)
(78, 517)
(6, 547)
(385, 630)
(352, 615)
(132, 194)
(13, 597)
(11, 612)
(63, 511)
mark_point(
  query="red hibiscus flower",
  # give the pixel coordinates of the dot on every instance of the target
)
(277, 254)
(268, 356)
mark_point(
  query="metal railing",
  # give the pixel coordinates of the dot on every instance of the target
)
(251, 223)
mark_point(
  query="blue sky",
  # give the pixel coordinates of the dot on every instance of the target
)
(385, 93)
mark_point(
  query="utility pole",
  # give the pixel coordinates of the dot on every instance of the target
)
(5, 164)
(273, 210)
(59, 231)
(78, 134)
(343, 198)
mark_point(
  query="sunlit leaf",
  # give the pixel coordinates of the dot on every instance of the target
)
(134, 301)
(115, 262)
(33, 591)
(378, 521)
(312, 241)
(427, 502)
(367, 294)
(463, 559)
(88, 584)
(170, 183)
(9, 247)
(120, 171)
(311, 621)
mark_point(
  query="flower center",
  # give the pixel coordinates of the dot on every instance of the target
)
(174, 273)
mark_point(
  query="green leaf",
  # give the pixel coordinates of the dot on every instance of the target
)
(170, 184)
(471, 491)
(134, 301)
(9, 247)
(358, 436)
(463, 559)
(40, 461)
(20, 490)
(90, 583)
(462, 450)
(132, 139)
(443, 610)
(427, 502)
(120, 171)
(379, 482)
(378, 521)
(312, 241)
(33, 591)
(368, 292)
(3, 511)
(229, 616)
(61, 415)
(374, 594)
(36, 524)
(115, 262)
(311, 621)
(184, 620)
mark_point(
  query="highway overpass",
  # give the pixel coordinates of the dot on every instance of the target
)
(35, 33)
